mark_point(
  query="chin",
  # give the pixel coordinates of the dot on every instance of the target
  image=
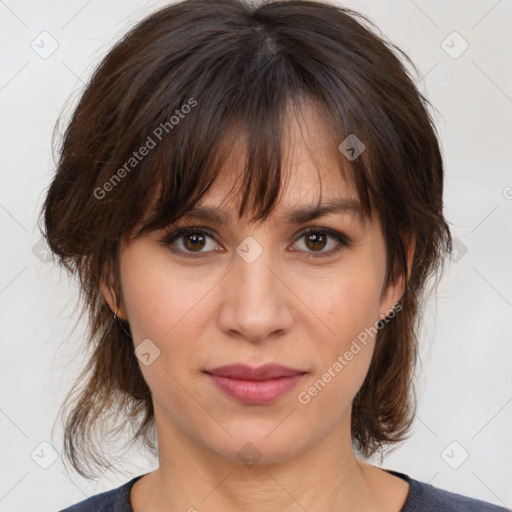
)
(252, 445)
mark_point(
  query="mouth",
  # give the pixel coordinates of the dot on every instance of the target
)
(255, 385)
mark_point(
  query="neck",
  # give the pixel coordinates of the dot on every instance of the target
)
(326, 476)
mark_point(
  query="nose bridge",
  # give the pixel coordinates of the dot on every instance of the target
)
(255, 280)
(255, 283)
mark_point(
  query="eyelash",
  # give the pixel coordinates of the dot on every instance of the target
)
(168, 239)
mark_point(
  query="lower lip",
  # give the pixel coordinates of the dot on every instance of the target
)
(256, 392)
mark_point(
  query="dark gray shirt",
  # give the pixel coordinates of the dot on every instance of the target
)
(422, 497)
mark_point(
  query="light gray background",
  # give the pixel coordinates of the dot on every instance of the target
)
(465, 386)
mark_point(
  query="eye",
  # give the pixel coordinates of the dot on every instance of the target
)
(316, 239)
(192, 240)
(189, 242)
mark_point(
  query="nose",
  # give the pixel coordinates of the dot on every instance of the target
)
(256, 303)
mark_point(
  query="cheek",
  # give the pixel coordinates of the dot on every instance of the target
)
(160, 303)
(169, 308)
(342, 366)
(349, 302)
(158, 299)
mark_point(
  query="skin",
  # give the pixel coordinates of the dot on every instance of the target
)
(218, 309)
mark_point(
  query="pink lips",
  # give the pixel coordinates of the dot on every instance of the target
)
(255, 385)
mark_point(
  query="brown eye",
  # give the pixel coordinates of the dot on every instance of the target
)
(315, 241)
(189, 242)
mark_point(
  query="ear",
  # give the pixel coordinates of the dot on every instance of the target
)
(111, 298)
(395, 290)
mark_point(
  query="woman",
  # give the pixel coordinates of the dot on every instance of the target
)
(251, 198)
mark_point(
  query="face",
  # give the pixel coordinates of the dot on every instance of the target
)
(299, 293)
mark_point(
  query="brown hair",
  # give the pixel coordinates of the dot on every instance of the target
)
(177, 84)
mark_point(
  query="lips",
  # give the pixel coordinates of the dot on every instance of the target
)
(255, 385)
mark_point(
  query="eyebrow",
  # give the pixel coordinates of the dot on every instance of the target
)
(295, 215)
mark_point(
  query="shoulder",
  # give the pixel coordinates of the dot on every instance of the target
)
(115, 500)
(423, 497)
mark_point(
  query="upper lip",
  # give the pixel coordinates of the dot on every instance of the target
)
(246, 372)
